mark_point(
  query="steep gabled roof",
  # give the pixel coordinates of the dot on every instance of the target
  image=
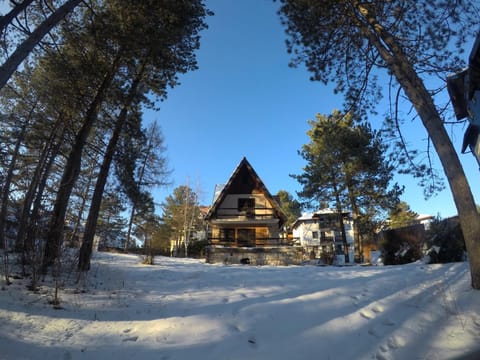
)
(244, 180)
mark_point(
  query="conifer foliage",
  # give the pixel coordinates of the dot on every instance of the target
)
(347, 169)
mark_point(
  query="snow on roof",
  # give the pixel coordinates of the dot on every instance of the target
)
(421, 217)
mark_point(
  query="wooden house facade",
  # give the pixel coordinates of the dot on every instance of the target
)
(246, 223)
(244, 213)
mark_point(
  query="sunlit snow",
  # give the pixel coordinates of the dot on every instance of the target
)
(186, 309)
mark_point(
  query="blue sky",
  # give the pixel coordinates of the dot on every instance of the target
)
(244, 100)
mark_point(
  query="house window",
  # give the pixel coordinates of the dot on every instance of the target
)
(314, 234)
(227, 235)
(337, 236)
(246, 237)
(323, 238)
(246, 205)
(339, 249)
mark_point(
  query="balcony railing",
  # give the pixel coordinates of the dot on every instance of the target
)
(251, 214)
(261, 242)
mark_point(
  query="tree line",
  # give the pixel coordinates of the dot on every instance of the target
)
(72, 130)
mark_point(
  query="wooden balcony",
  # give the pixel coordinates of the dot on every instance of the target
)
(261, 242)
(256, 216)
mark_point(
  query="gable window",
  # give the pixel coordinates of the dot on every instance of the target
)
(246, 205)
(314, 234)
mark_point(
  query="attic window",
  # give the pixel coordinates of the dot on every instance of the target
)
(246, 204)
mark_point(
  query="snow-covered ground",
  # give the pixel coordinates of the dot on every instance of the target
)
(186, 309)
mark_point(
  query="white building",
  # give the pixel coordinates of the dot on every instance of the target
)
(319, 233)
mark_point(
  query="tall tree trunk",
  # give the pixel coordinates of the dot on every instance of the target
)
(358, 252)
(185, 224)
(140, 179)
(83, 204)
(358, 255)
(90, 227)
(341, 222)
(32, 189)
(417, 93)
(25, 48)
(130, 226)
(27, 203)
(71, 172)
(30, 239)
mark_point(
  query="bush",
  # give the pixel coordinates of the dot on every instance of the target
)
(445, 241)
(402, 246)
(196, 249)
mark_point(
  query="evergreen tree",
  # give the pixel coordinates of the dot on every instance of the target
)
(401, 216)
(160, 241)
(290, 206)
(346, 168)
(140, 166)
(111, 222)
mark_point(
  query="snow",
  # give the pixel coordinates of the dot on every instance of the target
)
(186, 309)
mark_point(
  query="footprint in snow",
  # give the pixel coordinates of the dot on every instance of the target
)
(393, 343)
(382, 354)
(367, 314)
(131, 338)
(372, 331)
(164, 340)
(234, 328)
(388, 322)
(396, 342)
(378, 309)
(370, 314)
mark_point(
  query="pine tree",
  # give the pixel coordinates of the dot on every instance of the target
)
(401, 216)
(290, 206)
(152, 172)
(346, 167)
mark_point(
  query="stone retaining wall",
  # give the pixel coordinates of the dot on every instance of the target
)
(280, 255)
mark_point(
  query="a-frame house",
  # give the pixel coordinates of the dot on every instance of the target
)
(244, 214)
